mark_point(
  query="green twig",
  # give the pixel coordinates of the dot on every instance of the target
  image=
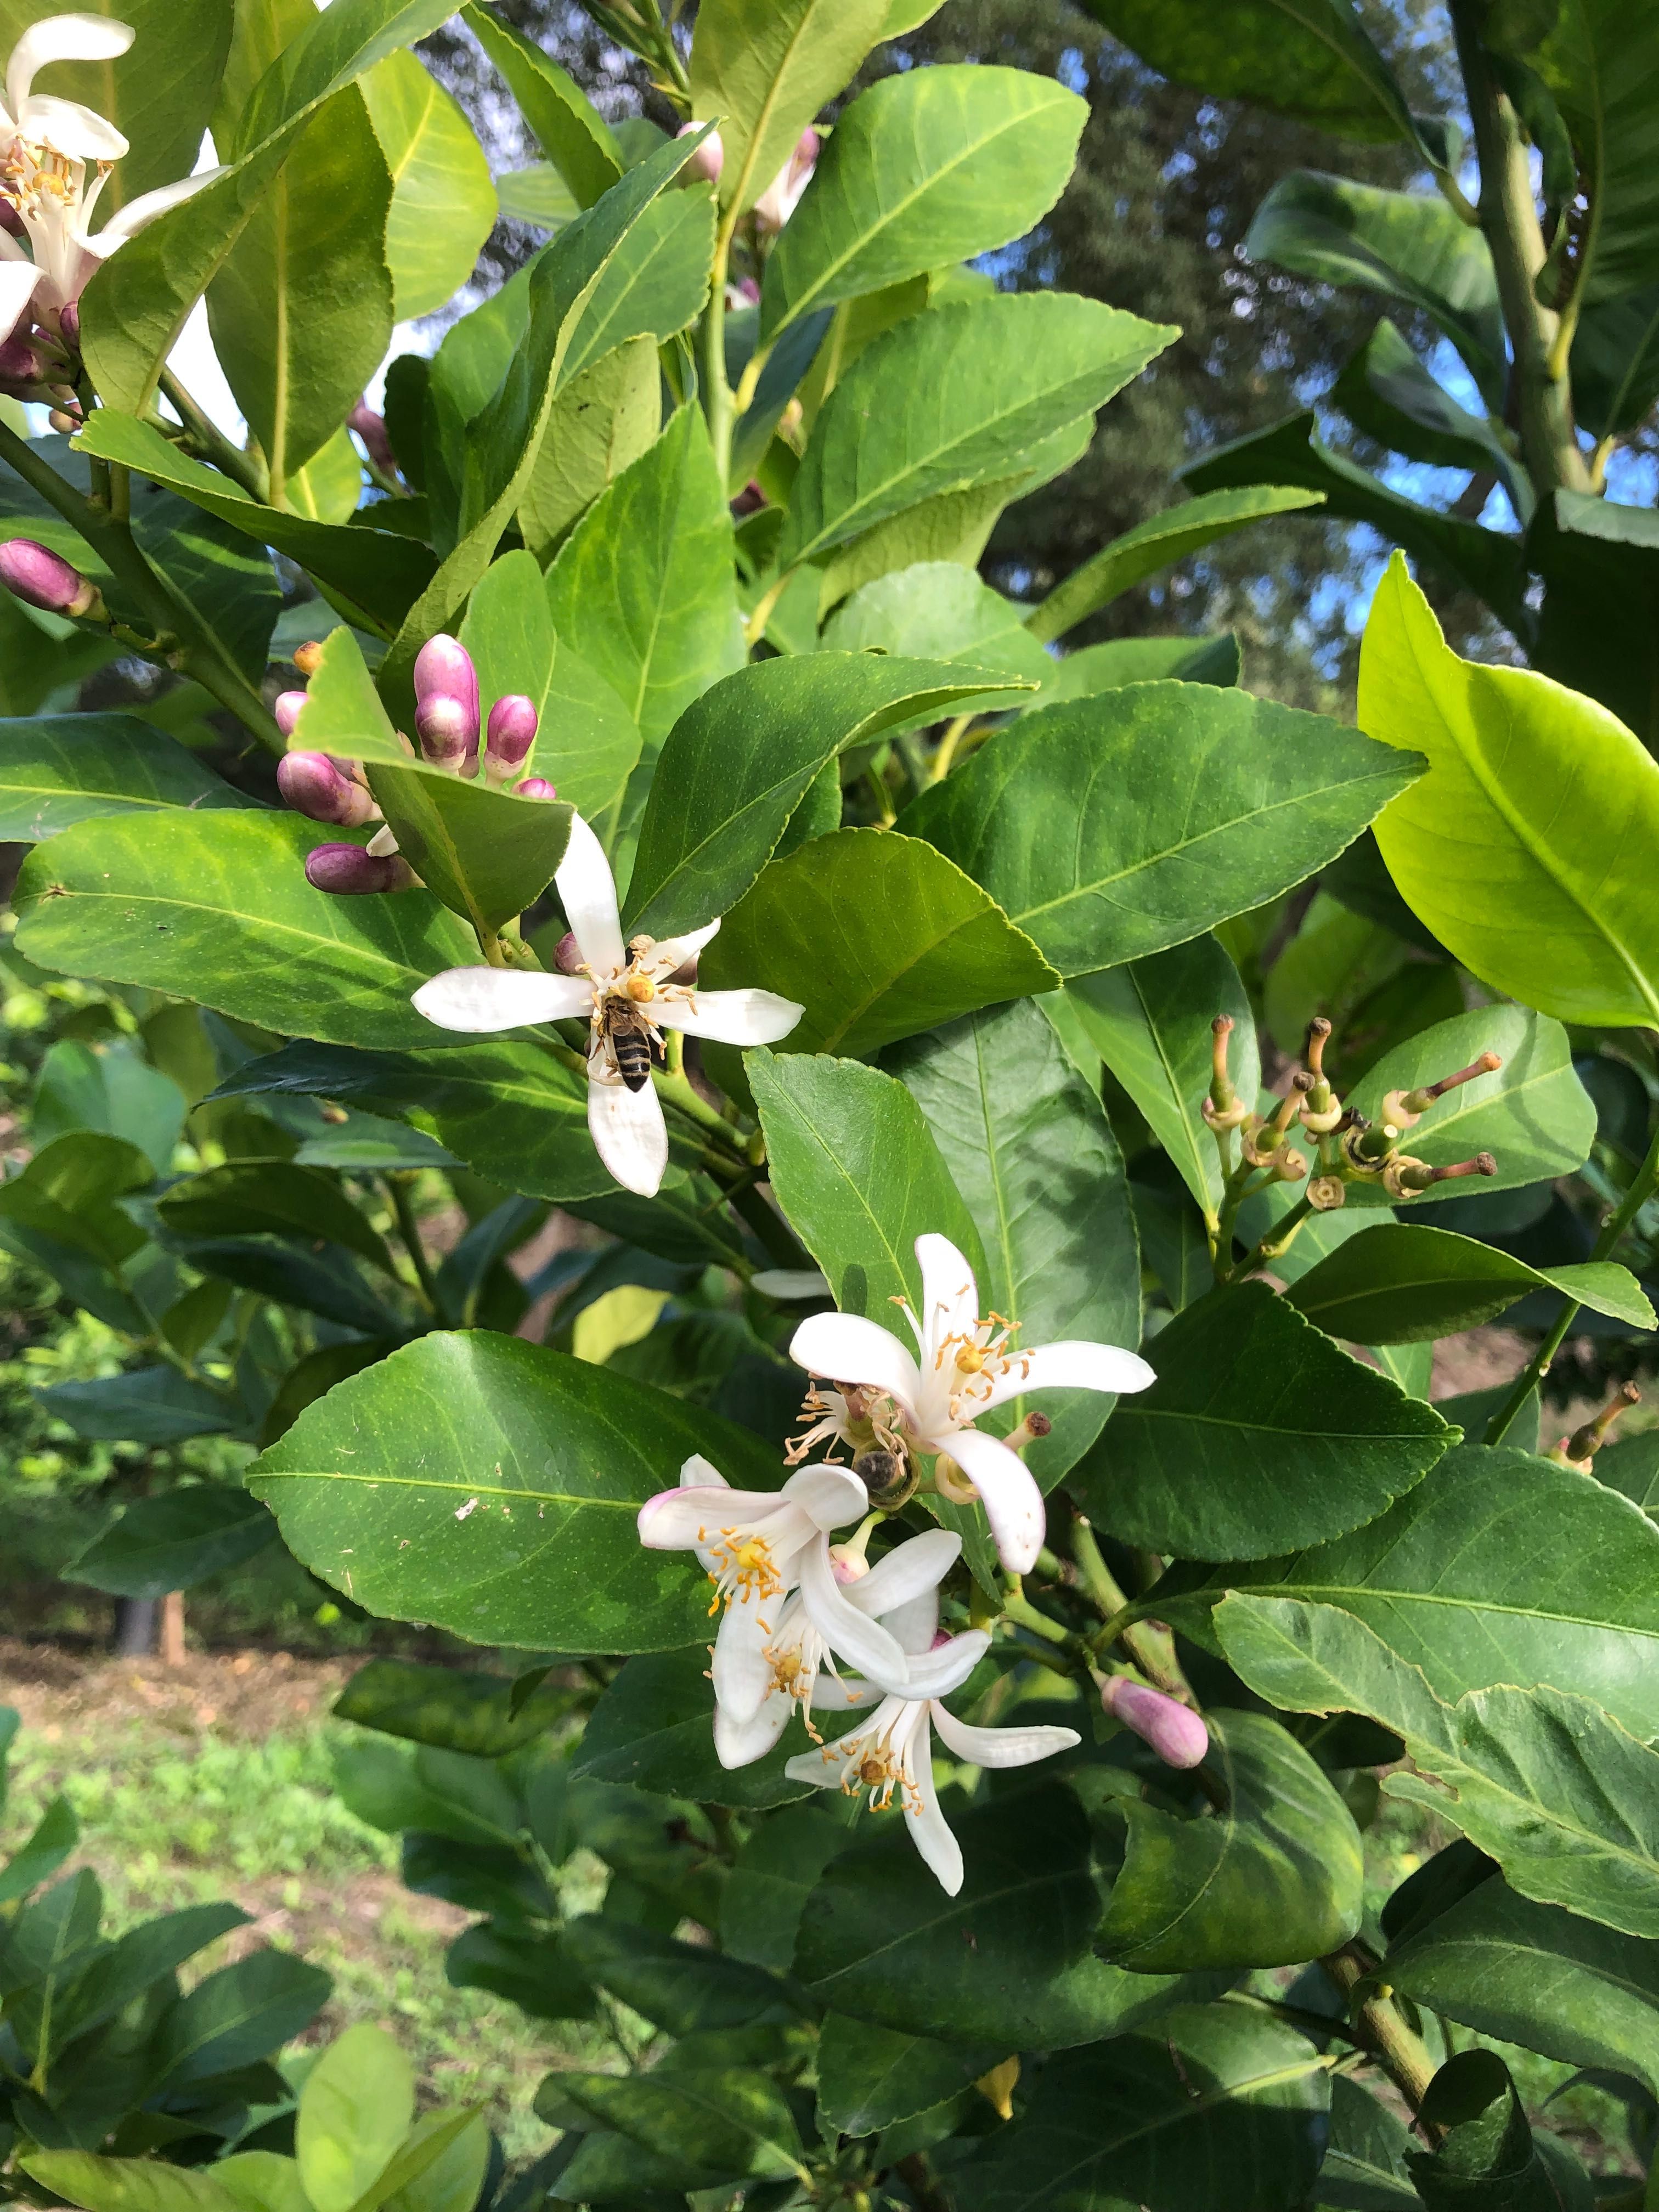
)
(1403, 2056)
(410, 1229)
(210, 441)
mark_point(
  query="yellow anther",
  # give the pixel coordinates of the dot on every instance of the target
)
(971, 1359)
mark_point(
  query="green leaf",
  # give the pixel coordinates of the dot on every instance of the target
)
(1386, 391)
(68, 1191)
(516, 1525)
(1364, 2169)
(726, 2124)
(1308, 59)
(1510, 847)
(240, 2014)
(877, 936)
(1031, 1151)
(571, 131)
(58, 769)
(486, 854)
(774, 1873)
(606, 419)
(1272, 1877)
(518, 1117)
(1150, 1021)
(151, 1405)
(941, 610)
(741, 759)
(538, 196)
(1410, 247)
(300, 309)
(1533, 1114)
(356, 2106)
(127, 2184)
(1615, 364)
(1597, 62)
(856, 1171)
(271, 1197)
(923, 169)
(1497, 1568)
(1007, 1960)
(449, 1709)
(1156, 544)
(1599, 562)
(954, 398)
(443, 203)
(1154, 2118)
(1486, 2153)
(682, 1987)
(1561, 1796)
(370, 576)
(216, 907)
(870, 2076)
(1120, 660)
(1631, 1466)
(1259, 1433)
(1182, 804)
(764, 68)
(327, 489)
(655, 1727)
(643, 587)
(1534, 1975)
(1395, 1284)
(343, 713)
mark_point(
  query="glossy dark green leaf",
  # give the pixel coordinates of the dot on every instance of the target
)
(717, 2124)
(486, 854)
(1363, 2168)
(1562, 1797)
(1533, 1114)
(943, 610)
(877, 937)
(955, 399)
(1395, 1284)
(1486, 2153)
(655, 1726)
(151, 1405)
(1156, 544)
(1120, 660)
(923, 169)
(216, 908)
(170, 1542)
(682, 1987)
(871, 2077)
(448, 1709)
(1150, 1021)
(739, 761)
(320, 1280)
(1597, 63)
(1631, 1466)
(513, 1521)
(1498, 1567)
(856, 1168)
(1182, 804)
(1410, 247)
(604, 421)
(238, 2014)
(1615, 362)
(774, 1873)
(1031, 1151)
(60, 768)
(1272, 1877)
(1386, 391)
(1258, 1431)
(270, 1197)
(1006, 1960)
(531, 1971)
(1534, 1975)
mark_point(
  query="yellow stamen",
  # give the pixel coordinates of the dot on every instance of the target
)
(641, 989)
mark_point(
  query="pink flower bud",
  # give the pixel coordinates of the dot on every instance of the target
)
(782, 196)
(287, 710)
(312, 785)
(349, 871)
(448, 734)
(568, 954)
(68, 322)
(444, 670)
(511, 732)
(1175, 1732)
(371, 428)
(534, 786)
(20, 367)
(705, 164)
(44, 579)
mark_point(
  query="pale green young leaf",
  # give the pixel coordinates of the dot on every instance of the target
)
(356, 2106)
(606, 420)
(764, 68)
(573, 134)
(940, 611)
(443, 202)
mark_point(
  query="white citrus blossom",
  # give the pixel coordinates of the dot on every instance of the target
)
(893, 1752)
(967, 1366)
(758, 1546)
(782, 196)
(624, 1116)
(45, 145)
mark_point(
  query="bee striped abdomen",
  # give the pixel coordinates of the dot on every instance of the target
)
(633, 1058)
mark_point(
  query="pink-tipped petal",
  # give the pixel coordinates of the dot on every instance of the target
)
(537, 786)
(1008, 1491)
(288, 708)
(1175, 1731)
(313, 786)
(705, 164)
(35, 573)
(347, 872)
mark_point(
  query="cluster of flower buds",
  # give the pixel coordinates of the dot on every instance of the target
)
(1347, 1147)
(44, 579)
(1175, 1731)
(449, 725)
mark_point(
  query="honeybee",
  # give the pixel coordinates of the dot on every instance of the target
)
(625, 1028)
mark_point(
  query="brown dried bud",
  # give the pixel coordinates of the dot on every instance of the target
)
(307, 657)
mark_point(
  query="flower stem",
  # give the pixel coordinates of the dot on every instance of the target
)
(409, 1229)
(210, 441)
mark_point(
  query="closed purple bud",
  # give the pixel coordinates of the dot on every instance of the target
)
(444, 670)
(534, 786)
(21, 365)
(312, 785)
(371, 428)
(1175, 1732)
(349, 872)
(68, 322)
(448, 734)
(511, 732)
(287, 710)
(705, 164)
(45, 578)
(568, 954)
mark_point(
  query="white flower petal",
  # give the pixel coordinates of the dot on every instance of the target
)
(587, 891)
(937, 1673)
(1069, 1367)
(915, 1623)
(852, 1635)
(74, 38)
(17, 281)
(72, 130)
(842, 1693)
(745, 1016)
(700, 1474)
(830, 1496)
(628, 1133)
(930, 1832)
(679, 1520)
(136, 214)
(813, 1767)
(1002, 1746)
(673, 952)
(1008, 1491)
(950, 1296)
(742, 1671)
(480, 1000)
(917, 1565)
(740, 1743)
(847, 1348)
